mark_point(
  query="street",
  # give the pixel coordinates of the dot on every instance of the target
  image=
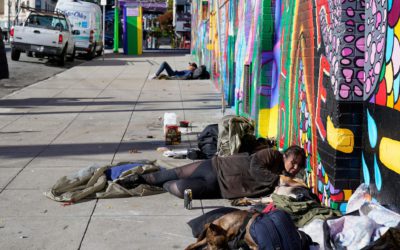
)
(29, 70)
(94, 114)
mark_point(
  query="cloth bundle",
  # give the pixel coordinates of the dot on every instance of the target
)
(101, 182)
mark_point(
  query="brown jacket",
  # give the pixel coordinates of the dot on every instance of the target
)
(242, 175)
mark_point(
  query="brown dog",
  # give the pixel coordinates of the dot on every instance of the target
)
(218, 233)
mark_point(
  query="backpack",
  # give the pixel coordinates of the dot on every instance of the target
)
(207, 141)
(232, 130)
(276, 230)
(201, 73)
(205, 74)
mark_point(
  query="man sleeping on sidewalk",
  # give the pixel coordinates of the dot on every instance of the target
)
(229, 177)
(192, 72)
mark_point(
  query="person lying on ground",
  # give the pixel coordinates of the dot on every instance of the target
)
(180, 74)
(229, 177)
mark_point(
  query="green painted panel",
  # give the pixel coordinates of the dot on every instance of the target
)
(131, 23)
(116, 29)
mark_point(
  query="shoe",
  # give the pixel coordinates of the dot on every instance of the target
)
(193, 154)
(153, 76)
(130, 181)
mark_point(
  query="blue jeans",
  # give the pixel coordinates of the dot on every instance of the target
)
(165, 66)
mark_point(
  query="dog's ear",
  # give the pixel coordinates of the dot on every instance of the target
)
(201, 240)
(216, 237)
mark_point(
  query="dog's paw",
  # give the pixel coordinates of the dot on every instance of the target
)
(241, 202)
(290, 182)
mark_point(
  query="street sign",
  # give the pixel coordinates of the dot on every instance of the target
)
(103, 2)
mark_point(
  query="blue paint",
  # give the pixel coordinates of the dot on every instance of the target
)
(389, 43)
(343, 207)
(390, 2)
(367, 178)
(322, 170)
(396, 87)
(320, 187)
(372, 130)
(378, 177)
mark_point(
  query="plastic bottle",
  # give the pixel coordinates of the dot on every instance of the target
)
(169, 119)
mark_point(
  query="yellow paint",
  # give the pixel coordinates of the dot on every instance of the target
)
(268, 122)
(389, 77)
(326, 179)
(273, 125)
(390, 100)
(397, 30)
(140, 31)
(389, 154)
(347, 194)
(341, 139)
(263, 122)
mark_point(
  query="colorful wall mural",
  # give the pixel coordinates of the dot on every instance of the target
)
(317, 89)
(323, 74)
(380, 156)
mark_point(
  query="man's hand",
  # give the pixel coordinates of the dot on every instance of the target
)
(290, 182)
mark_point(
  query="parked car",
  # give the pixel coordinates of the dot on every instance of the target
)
(86, 18)
(44, 33)
(3, 59)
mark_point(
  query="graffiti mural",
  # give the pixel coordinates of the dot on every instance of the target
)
(322, 53)
(380, 158)
(268, 84)
(323, 74)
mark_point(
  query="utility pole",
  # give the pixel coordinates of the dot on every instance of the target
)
(16, 11)
(9, 20)
(104, 3)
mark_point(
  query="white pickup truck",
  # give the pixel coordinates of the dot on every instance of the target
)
(45, 34)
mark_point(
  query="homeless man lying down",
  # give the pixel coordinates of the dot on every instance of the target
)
(229, 177)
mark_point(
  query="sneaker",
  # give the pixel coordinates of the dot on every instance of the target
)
(153, 76)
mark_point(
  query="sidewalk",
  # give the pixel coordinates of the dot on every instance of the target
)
(97, 113)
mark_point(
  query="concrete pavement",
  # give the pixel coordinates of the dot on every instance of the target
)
(99, 112)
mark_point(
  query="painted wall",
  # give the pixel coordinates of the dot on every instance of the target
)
(132, 30)
(323, 74)
(381, 157)
(320, 98)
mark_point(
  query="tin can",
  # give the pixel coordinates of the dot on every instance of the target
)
(187, 199)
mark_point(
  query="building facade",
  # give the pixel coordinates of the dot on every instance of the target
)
(323, 74)
(182, 21)
(9, 8)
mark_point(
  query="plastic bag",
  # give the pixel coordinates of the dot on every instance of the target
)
(359, 197)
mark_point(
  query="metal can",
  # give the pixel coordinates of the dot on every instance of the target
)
(187, 199)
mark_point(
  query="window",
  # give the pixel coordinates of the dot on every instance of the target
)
(204, 10)
(246, 88)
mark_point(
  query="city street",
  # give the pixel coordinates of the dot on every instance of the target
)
(97, 113)
(29, 70)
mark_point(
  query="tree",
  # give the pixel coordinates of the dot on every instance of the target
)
(167, 29)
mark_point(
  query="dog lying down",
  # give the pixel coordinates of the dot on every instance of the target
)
(251, 230)
(295, 192)
(287, 186)
(218, 233)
